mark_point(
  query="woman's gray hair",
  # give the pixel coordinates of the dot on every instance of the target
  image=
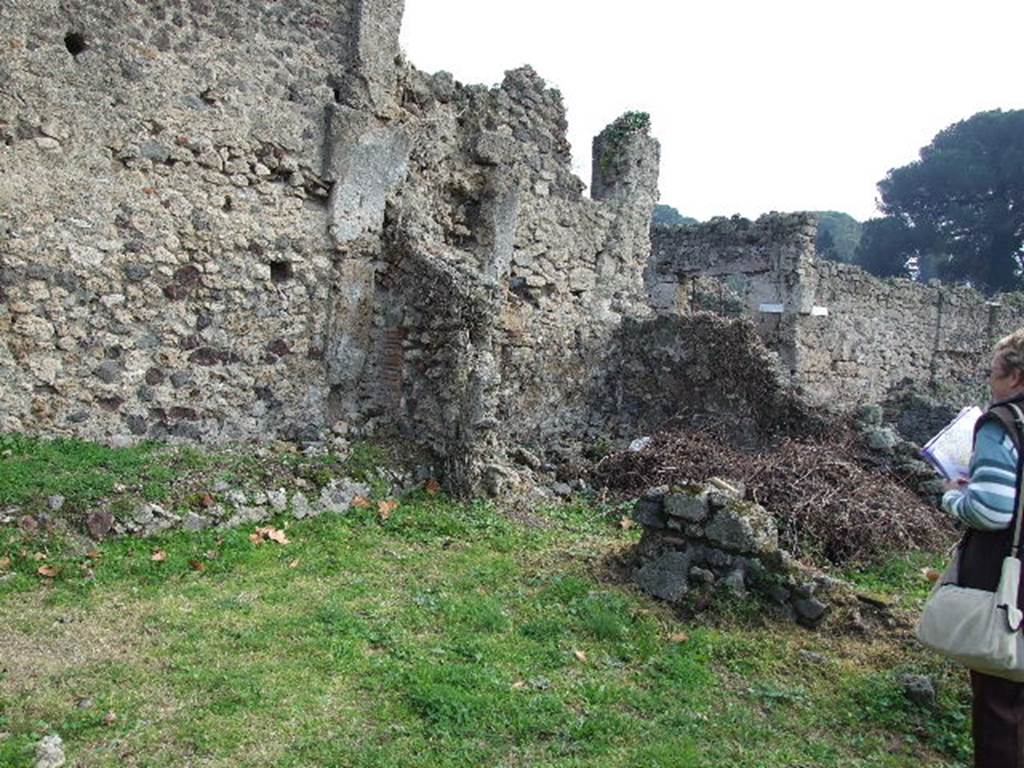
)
(1010, 350)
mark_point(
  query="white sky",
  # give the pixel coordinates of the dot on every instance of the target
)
(758, 105)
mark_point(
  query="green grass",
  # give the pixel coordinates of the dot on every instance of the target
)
(448, 635)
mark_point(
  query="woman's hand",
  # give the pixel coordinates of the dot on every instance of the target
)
(956, 485)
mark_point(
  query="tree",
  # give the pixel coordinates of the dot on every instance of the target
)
(666, 215)
(887, 247)
(838, 236)
(964, 198)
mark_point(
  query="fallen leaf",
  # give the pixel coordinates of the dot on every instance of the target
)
(256, 538)
(580, 655)
(206, 500)
(271, 533)
(931, 574)
(432, 486)
(196, 565)
(5, 563)
(94, 554)
(47, 570)
(110, 718)
(626, 523)
(39, 557)
(679, 637)
(360, 502)
(385, 508)
(278, 536)
(158, 556)
(293, 564)
(519, 685)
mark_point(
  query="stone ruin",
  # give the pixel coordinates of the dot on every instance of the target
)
(243, 221)
(700, 537)
(238, 220)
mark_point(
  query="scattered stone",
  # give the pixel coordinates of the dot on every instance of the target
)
(99, 523)
(55, 503)
(50, 752)
(246, 515)
(919, 689)
(813, 657)
(810, 610)
(337, 496)
(300, 506)
(194, 522)
(278, 499)
(562, 490)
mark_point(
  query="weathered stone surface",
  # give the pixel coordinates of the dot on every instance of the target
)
(919, 689)
(687, 506)
(743, 527)
(665, 577)
(305, 231)
(301, 507)
(99, 523)
(846, 336)
(649, 513)
(337, 496)
(810, 610)
(50, 752)
(195, 522)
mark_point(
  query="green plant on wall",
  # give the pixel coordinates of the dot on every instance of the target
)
(616, 134)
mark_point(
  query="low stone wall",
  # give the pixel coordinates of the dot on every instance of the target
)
(703, 538)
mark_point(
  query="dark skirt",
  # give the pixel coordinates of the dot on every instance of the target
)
(997, 722)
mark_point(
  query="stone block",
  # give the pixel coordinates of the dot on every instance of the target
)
(743, 527)
(649, 513)
(687, 506)
(666, 577)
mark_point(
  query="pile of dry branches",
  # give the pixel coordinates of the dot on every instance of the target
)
(829, 504)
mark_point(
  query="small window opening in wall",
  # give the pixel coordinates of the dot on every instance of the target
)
(75, 43)
(280, 271)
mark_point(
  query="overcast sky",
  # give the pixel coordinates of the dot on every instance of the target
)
(759, 105)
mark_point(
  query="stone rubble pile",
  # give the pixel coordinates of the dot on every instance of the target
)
(706, 538)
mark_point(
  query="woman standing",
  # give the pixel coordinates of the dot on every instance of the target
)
(985, 503)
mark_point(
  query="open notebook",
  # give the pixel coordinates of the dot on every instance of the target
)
(950, 450)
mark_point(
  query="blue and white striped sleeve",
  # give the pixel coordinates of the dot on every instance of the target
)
(986, 502)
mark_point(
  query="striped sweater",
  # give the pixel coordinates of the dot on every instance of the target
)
(986, 502)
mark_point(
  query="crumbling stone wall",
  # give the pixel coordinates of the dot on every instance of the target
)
(705, 369)
(842, 336)
(241, 220)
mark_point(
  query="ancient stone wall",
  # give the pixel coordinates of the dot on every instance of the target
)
(243, 220)
(843, 336)
(165, 258)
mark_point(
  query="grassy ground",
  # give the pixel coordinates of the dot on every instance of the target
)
(447, 634)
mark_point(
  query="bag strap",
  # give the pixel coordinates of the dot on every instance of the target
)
(1018, 419)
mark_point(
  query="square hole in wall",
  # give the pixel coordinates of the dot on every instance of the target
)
(280, 271)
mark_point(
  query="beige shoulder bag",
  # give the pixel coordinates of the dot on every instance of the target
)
(978, 628)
